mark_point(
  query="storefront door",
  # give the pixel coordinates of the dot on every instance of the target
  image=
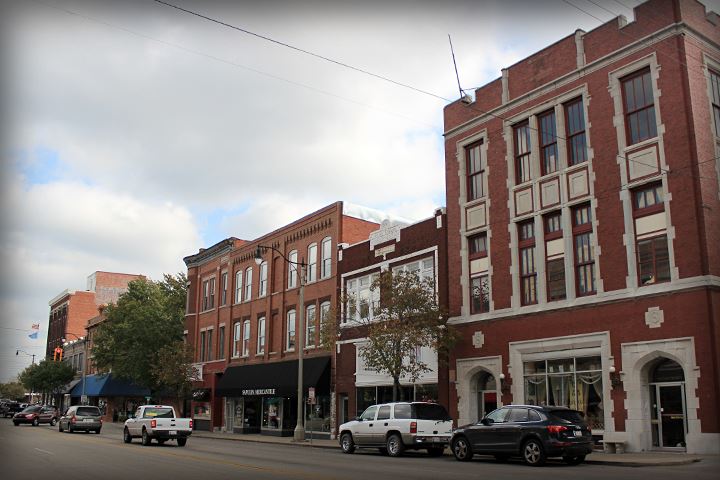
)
(668, 415)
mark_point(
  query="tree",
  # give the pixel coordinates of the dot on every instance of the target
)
(12, 390)
(174, 369)
(47, 377)
(405, 317)
(146, 318)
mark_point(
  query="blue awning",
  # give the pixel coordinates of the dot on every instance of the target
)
(107, 386)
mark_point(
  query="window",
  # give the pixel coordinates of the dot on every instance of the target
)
(209, 345)
(290, 333)
(528, 274)
(221, 343)
(475, 171)
(324, 313)
(479, 280)
(246, 338)
(312, 263)
(653, 258)
(248, 284)
(292, 269)
(548, 143)
(424, 269)
(575, 122)
(554, 256)
(236, 339)
(639, 104)
(223, 288)
(262, 284)
(522, 153)
(584, 250)
(238, 286)
(209, 294)
(261, 335)
(310, 326)
(715, 99)
(202, 346)
(361, 299)
(326, 252)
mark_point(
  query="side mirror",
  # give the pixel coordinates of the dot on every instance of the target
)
(359, 419)
(487, 421)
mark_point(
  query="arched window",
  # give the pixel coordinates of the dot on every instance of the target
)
(326, 258)
(312, 263)
(667, 371)
(292, 269)
(290, 334)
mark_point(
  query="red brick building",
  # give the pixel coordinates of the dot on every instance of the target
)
(420, 247)
(242, 319)
(584, 187)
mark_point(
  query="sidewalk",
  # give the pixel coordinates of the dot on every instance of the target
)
(596, 458)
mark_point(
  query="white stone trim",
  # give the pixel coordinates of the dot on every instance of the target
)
(466, 384)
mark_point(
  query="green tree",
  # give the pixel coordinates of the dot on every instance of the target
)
(47, 377)
(405, 317)
(174, 370)
(12, 390)
(146, 318)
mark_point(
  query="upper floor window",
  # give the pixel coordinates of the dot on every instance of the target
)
(310, 326)
(362, 300)
(424, 269)
(326, 251)
(522, 152)
(224, 288)
(238, 286)
(209, 355)
(639, 107)
(475, 171)
(263, 281)
(584, 250)
(236, 339)
(202, 346)
(248, 284)
(548, 142)
(715, 99)
(209, 294)
(554, 256)
(575, 126)
(477, 245)
(324, 313)
(653, 258)
(290, 331)
(479, 279)
(292, 269)
(221, 343)
(528, 272)
(312, 263)
(261, 335)
(246, 338)
(648, 198)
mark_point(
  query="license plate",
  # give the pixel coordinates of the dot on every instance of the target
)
(173, 432)
(90, 420)
(438, 439)
(578, 433)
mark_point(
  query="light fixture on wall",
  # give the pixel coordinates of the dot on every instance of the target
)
(615, 380)
(504, 383)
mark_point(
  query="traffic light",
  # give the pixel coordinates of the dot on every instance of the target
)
(57, 354)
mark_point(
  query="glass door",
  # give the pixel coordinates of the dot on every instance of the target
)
(668, 415)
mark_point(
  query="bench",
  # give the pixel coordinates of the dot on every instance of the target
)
(614, 442)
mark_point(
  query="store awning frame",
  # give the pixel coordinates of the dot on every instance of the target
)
(278, 379)
(106, 386)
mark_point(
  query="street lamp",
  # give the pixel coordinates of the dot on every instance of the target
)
(83, 399)
(299, 433)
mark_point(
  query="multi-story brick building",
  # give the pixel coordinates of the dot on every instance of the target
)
(584, 217)
(420, 248)
(241, 319)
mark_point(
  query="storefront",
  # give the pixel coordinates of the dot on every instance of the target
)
(262, 398)
(116, 398)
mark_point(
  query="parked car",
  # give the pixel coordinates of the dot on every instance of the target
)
(395, 427)
(81, 418)
(37, 414)
(157, 422)
(531, 432)
(9, 409)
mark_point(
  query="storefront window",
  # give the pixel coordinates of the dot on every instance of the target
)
(426, 393)
(272, 413)
(239, 414)
(365, 398)
(568, 382)
(201, 410)
(317, 416)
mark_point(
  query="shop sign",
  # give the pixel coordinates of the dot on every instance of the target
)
(259, 391)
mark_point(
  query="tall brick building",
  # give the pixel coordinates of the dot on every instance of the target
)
(241, 318)
(584, 221)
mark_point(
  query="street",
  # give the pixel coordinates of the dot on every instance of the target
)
(37, 452)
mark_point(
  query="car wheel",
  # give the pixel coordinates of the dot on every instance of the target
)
(145, 438)
(182, 442)
(53, 422)
(574, 459)
(35, 422)
(395, 445)
(461, 449)
(533, 453)
(347, 443)
(436, 451)
(126, 436)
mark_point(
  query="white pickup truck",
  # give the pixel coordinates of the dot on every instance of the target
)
(158, 422)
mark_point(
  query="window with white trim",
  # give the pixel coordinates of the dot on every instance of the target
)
(237, 336)
(224, 288)
(554, 256)
(715, 99)
(262, 283)
(246, 338)
(292, 269)
(479, 278)
(312, 263)
(261, 336)
(326, 254)
(362, 301)
(639, 103)
(324, 313)
(310, 326)
(238, 286)
(528, 272)
(248, 284)
(290, 331)
(209, 294)
(653, 259)
(424, 269)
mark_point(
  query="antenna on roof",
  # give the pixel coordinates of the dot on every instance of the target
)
(465, 98)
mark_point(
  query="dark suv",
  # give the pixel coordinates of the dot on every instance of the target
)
(531, 432)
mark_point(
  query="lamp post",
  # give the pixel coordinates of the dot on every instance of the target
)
(299, 433)
(83, 399)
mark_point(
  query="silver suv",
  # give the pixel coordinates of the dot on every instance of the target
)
(81, 417)
(395, 427)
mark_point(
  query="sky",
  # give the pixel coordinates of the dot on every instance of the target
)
(133, 133)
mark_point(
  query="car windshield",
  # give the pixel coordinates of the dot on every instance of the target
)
(427, 411)
(567, 416)
(88, 411)
(157, 412)
(32, 409)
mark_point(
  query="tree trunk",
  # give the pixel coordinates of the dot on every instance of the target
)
(396, 389)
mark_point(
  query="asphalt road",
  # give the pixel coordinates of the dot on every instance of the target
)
(29, 453)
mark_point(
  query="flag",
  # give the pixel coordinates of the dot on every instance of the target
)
(36, 326)
(33, 335)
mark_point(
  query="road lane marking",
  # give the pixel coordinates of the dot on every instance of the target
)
(44, 451)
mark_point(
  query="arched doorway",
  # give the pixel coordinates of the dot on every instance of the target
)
(668, 413)
(486, 394)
